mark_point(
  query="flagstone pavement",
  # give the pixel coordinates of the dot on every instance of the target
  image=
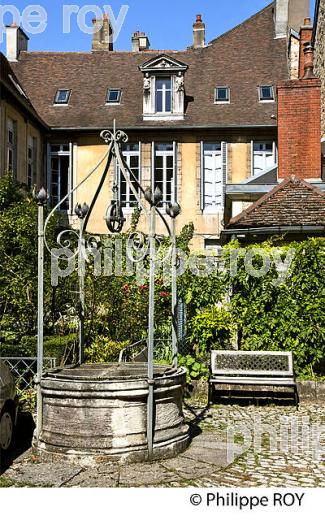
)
(228, 449)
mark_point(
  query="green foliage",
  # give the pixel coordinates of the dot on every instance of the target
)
(212, 328)
(104, 350)
(27, 400)
(196, 369)
(286, 316)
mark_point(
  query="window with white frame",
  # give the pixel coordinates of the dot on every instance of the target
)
(113, 96)
(60, 174)
(31, 162)
(263, 156)
(164, 171)
(164, 95)
(222, 95)
(11, 147)
(266, 93)
(62, 96)
(214, 176)
(131, 154)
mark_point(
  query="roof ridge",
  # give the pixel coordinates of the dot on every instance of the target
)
(242, 23)
(290, 180)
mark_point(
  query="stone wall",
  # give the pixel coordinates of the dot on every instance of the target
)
(320, 55)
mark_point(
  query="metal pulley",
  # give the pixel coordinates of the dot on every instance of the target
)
(114, 215)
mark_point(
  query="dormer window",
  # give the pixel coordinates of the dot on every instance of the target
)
(266, 93)
(62, 97)
(222, 95)
(163, 89)
(113, 96)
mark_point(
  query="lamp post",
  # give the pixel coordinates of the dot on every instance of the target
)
(41, 199)
(81, 212)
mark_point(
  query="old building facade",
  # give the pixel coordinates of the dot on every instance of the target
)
(201, 122)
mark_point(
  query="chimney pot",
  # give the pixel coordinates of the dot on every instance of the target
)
(307, 21)
(309, 61)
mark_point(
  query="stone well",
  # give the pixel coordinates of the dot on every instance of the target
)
(100, 412)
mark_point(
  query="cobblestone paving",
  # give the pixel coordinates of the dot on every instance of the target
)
(289, 460)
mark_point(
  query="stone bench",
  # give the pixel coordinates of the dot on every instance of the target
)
(257, 373)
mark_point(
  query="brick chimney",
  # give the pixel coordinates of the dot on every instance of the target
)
(299, 126)
(17, 41)
(198, 33)
(140, 42)
(306, 33)
(102, 35)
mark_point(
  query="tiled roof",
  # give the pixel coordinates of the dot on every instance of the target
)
(292, 203)
(243, 58)
(11, 83)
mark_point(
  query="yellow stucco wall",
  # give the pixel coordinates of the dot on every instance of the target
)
(25, 129)
(88, 152)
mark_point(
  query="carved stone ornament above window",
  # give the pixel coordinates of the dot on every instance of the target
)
(163, 88)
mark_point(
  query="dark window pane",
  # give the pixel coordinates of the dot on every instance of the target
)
(222, 94)
(164, 147)
(212, 147)
(168, 101)
(159, 101)
(266, 92)
(114, 96)
(62, 96)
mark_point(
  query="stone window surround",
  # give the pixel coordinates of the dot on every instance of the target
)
(163, 66)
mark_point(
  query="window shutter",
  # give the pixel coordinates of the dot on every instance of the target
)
(201, 176)
(224, 152)
(175, 171)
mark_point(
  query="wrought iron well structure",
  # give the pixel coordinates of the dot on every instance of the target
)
(123, 411)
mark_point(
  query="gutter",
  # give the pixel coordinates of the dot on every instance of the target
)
(160, 128)
(227, 234)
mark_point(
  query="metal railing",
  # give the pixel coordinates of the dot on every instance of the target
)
(24, 369)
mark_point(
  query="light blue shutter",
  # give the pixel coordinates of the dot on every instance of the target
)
(224, 153)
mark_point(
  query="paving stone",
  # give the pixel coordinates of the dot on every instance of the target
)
(145, 475)
(43, 474)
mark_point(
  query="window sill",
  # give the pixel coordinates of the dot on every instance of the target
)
(112, 104)
(267, 100)
(163, 117)
(222, 102)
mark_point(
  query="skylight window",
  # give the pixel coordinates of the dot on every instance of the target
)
(266, 93)
(62, 97)
(222, 95)
(113, 96)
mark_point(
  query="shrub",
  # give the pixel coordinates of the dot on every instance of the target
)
(104, 350)
(212, 328)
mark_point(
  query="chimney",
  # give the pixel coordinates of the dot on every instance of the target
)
(198, 33)
(306, 34)
(17, 41)
(299, 125)
(140, 42)
(102, 35)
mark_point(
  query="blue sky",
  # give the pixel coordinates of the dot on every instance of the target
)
(167, 23)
